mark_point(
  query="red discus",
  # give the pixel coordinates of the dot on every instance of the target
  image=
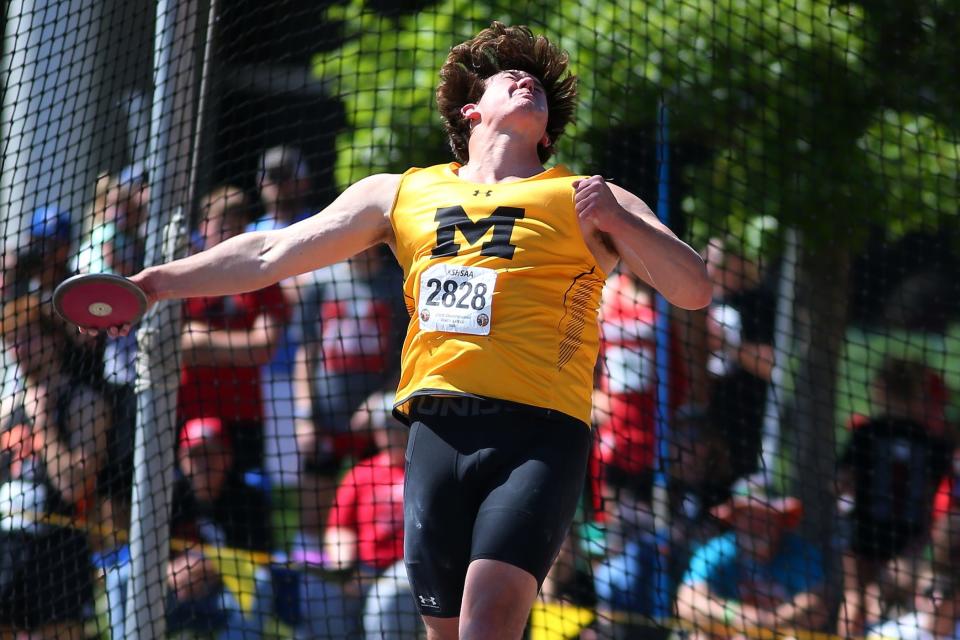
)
(99, 301)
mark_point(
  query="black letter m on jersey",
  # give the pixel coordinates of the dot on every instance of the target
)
(449, 219)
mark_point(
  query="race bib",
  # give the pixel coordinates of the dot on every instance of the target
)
(457, 299)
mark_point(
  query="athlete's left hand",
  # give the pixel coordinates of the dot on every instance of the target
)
(594, 201)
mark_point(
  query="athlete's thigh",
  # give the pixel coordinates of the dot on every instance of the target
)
(525, 517)
(438, 522)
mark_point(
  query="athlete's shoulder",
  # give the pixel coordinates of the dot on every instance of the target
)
(378, 180)
(561, 171)
(416, 181)
(559, 176)
(433, 172)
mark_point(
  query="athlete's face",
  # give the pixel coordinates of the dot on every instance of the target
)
(513, 100)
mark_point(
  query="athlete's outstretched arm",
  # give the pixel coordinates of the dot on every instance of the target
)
(356, 220)
(646, 246)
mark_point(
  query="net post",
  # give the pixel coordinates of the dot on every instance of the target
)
(661, 496)
(172, 123)
(770, 473)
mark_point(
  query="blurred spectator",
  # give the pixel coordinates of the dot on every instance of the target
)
(283, 178)
(933, 414)
(936, 615)
(110, 361)
(89, 255)
(352, 329)
(9, 286)
(892, 468)
(286, 191)
(53, 445)
(740, 326)
(699, 457)
(642, 578)
(570, 579)
(45, 261)
(758, 575)
(224, 213)
(124, 249)
(42, 265)
(941, 600)
(226, 340)
(212, 505)
(120, 249)
(629, 582)
(626, 396)
(946, 527)
(365, 529)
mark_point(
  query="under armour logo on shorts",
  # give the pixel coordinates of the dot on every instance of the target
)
(428, 601)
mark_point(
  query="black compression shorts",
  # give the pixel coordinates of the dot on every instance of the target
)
(486, 479)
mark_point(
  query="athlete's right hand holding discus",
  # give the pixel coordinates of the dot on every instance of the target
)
(485, 243)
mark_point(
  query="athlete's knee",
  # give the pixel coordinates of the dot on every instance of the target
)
(442, 628)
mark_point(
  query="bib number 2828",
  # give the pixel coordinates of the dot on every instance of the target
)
(462, 295)
(456, 299)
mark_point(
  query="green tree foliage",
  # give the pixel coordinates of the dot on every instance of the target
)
(821, 115)
(386, 73)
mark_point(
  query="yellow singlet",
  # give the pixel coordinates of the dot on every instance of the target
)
(502, 290)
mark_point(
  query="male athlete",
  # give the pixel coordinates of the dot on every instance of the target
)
(504, 262)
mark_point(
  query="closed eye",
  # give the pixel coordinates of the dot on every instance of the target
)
(517, 75)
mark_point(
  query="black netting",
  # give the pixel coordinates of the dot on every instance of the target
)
(778, 463)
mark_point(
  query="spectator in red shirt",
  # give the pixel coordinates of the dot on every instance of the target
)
(365, 526)
(226, 339)
(626, 396)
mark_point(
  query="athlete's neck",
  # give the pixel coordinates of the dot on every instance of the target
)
(500, 158)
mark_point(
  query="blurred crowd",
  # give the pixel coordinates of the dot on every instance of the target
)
(286, 504)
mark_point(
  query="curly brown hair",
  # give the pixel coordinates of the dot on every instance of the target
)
(499, 48)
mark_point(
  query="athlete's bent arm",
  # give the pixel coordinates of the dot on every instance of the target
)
(356, 220)
(646, 246)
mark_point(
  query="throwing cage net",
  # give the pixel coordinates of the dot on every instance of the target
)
(780, 463)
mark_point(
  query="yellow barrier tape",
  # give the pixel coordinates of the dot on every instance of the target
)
(558, 621)
(237, 567)
(562, 621)
(549, 621)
